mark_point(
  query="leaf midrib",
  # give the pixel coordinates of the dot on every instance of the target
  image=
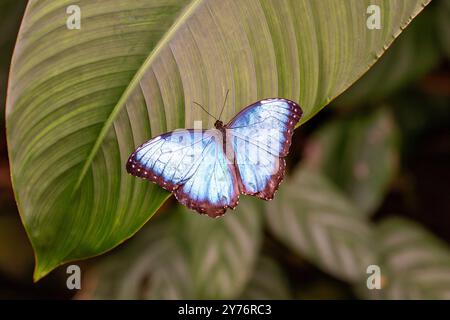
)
(132, 85)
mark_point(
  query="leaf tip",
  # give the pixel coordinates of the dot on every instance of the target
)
(42, 269)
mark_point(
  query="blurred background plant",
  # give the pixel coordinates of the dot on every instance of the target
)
(368, 183)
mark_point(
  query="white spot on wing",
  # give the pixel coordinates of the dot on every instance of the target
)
(266, 101)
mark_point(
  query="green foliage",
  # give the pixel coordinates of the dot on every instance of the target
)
(359, 154)
(415, 264)
(186, 256)
(268, 282)
(319, 220)
(163, 262)
(320, 224)
(79, 101)
(153, 266)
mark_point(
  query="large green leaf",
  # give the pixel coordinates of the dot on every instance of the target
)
(359, 154)
(223, 253)
(184, 257)
(79, 101)
(316, 221)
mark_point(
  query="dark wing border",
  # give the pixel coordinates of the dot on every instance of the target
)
(206, 207)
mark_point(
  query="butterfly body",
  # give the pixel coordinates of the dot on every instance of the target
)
(207, 170)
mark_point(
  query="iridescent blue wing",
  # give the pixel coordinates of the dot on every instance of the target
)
(260, 136)
(192, 165)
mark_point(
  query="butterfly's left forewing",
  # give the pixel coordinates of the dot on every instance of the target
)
(260, 136)
(192, 165)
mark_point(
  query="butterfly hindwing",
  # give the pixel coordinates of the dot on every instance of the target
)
(260, 136)
(213, 188)
(192, 165)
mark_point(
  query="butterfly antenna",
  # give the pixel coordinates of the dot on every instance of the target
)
(224, 102)
(204, 109)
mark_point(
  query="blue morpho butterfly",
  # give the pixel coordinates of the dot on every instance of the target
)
(207, 170)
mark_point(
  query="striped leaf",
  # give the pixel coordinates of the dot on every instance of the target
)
(316, 221)
(224, 251)
(414, 263)
(268, 282)
(359, 154)
(185, 257)
(80, 101)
